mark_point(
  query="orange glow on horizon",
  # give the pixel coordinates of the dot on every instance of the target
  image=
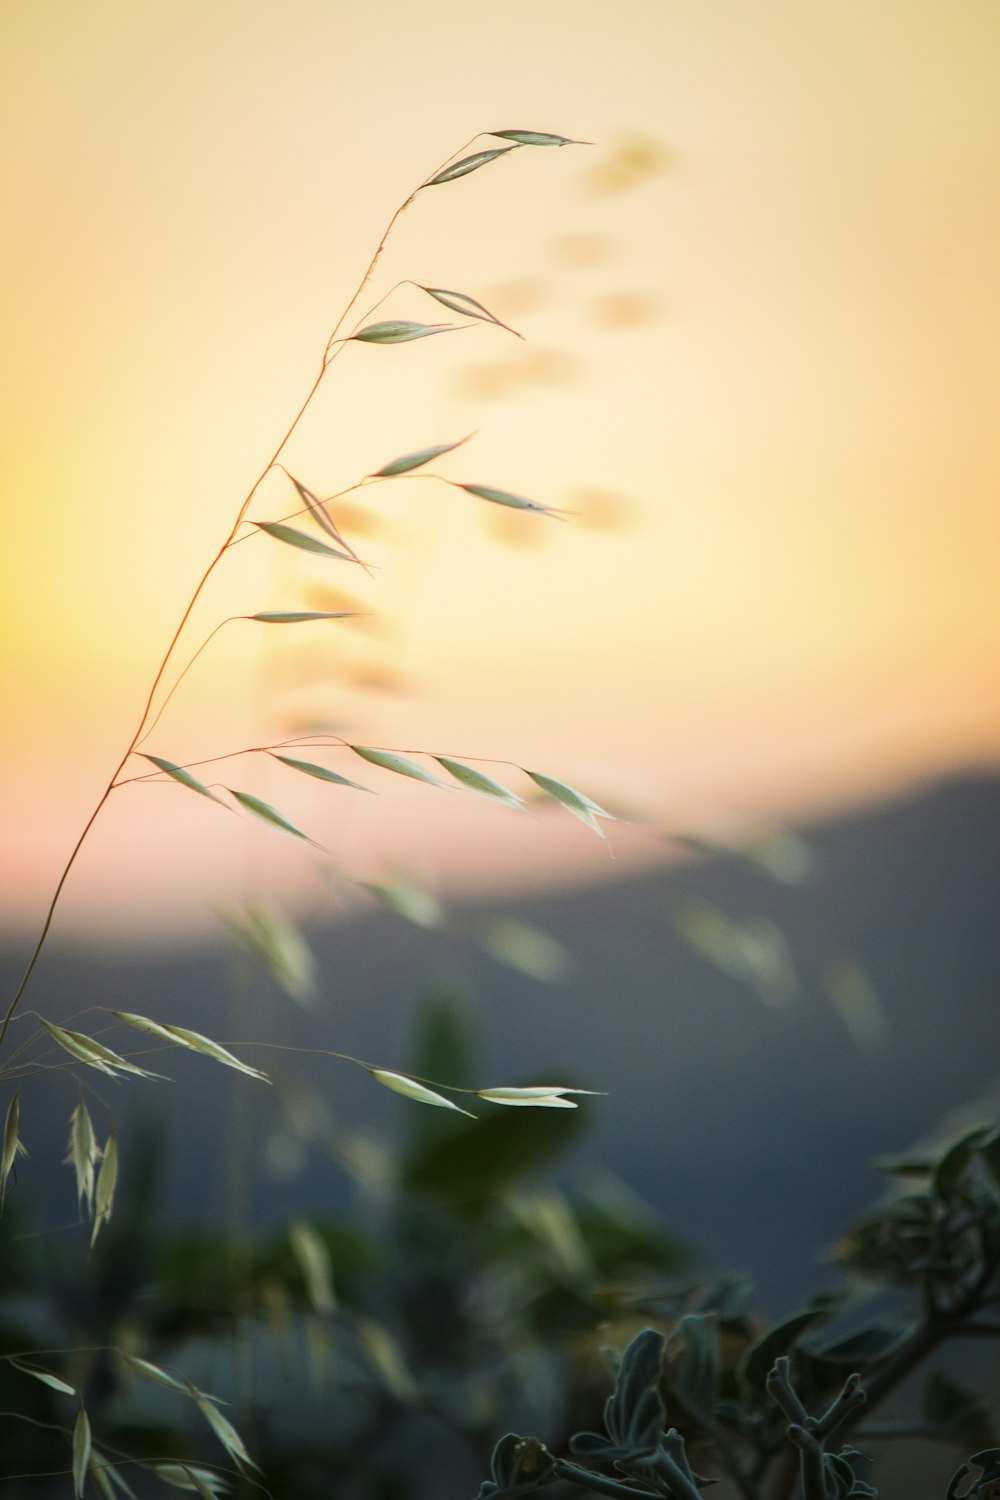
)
(762, 321)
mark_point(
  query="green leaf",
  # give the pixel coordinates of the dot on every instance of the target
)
(401, 764)
(396, 331)
(81, 1452)
(86, 1050)
(313, 1259)
(46, 1377)
(180, 1036)
(107, 1181)
(269, 815)
(469, 164)
(184, 777)
(505, 497)
(542, 1095)
(415, 460)
(83, 1154)
(190, 1477)
(413, 902)
(316, 509)
(411, 1089)
(387, 1358)
(761, 1355)
(12, 1146)
(461, 302)
(478, 781)
(277, 944)
(950, 1169)
(309, 768)
(526, 949)
(297, 616)
(577, 803)
(292, 537)
(154, 1373)
(223, 1428)
(537, 138)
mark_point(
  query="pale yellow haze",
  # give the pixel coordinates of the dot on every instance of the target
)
(760, 367)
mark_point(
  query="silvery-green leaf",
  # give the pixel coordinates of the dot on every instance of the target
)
(45, 1376)
(388, 1359)
(505, 497)
(523, 947)
(415, 460)
(223, 1428)
(536, 138)
(542, 1101)
(180, 1036)
(401, 764)
(84, 1153)
(409, 1087)
(417, 905)
(316, 509)
(529, 1094)
(292, 537)
(468, 164)
(279, 945)
(580, 806)
(309, 768)
(190, 1477)
(184, 777)
(478, 781)
(12, 1145)
(298, 616)
(107, 1181)
(81, 1452)
(86, 1050)
(314, 1262)
(398, 331)
(461, 302)
(269, 815)
(158, 1376)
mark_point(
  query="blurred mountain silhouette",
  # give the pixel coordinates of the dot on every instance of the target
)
(747, 1120)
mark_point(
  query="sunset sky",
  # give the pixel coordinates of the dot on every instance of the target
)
(760, 370)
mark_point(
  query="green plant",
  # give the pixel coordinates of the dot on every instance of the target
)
(52, 1044)
(764, 1407)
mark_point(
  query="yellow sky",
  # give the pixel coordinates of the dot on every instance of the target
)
(762, 320)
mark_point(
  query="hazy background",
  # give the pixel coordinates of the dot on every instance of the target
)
(761, 318)
(762, 321)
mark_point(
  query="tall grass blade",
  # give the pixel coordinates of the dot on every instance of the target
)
(184, 777)
(299, 616)
(107, 1181)
(12, 1145)
(479, 782)
(292, 537)
(269, 815)
(46, 1377)
(81, 1452)
(469, 164)
(180, 1036)
(401, 764)
(410, 1089)
(83, 1154)
(410, 461)
(505, 497)
(577, 803)
(310, 768)
(537, 138)
(399, 331)
(461, 302)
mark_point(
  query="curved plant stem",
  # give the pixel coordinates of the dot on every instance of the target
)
(147, 709)
(328, 358)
